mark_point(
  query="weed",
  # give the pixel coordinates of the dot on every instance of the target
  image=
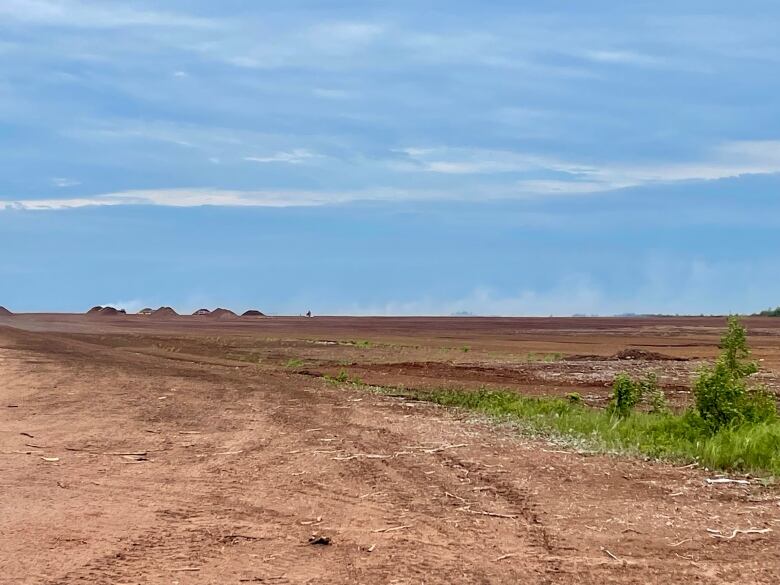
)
(294, 363)
(343, 378)
(574, 398)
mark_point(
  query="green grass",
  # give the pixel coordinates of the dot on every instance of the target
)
(751, 448)
(343, 377)
(294, 363)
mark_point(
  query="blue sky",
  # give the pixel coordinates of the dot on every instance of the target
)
(366, 157)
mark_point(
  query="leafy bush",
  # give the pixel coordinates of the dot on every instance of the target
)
(654, 395)
(723, 396)
(626, 394)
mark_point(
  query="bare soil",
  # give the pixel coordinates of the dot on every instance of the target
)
(178, 450)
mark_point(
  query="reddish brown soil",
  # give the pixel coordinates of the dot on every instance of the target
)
(5, 312)
(245, 459)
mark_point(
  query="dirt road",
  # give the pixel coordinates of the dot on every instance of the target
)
(127, 466)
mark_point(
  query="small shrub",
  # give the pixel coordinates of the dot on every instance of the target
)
(653, 394)
(736, 354)
(574, 398)
(626, 394)
(723, 396)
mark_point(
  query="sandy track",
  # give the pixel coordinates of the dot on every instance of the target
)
(244, 464)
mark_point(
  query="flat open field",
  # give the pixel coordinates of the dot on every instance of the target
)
(195, 450)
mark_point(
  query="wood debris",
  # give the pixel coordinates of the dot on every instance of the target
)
(736, 531)
(391, 529)
(468, 510)
(608, 552)
(726, 480)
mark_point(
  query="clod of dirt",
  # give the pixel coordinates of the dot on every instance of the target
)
(253, 313)
(202, 312)
(146, 311)
(319, 540)
(641, 354)
(94, 310)
(164, 312)
(627, 354)
(5, 312)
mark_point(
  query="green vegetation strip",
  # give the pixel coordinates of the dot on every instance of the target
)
(733, 423)
(750, 447)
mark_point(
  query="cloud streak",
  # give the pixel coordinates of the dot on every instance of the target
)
(79, 14)
(294, 157)
(199, 197)
(728, 160)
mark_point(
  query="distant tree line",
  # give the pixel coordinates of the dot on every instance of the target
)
(770, 313)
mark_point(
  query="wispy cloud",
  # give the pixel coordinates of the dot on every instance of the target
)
(82, 14)
(621, 57)
(727, 160)
(198, 197)
(332, 94)
(177, 198)
(294, 157)
(64, 182)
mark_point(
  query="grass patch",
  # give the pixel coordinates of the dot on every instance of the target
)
(343, 377)
(294, 363)
(750, 447)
